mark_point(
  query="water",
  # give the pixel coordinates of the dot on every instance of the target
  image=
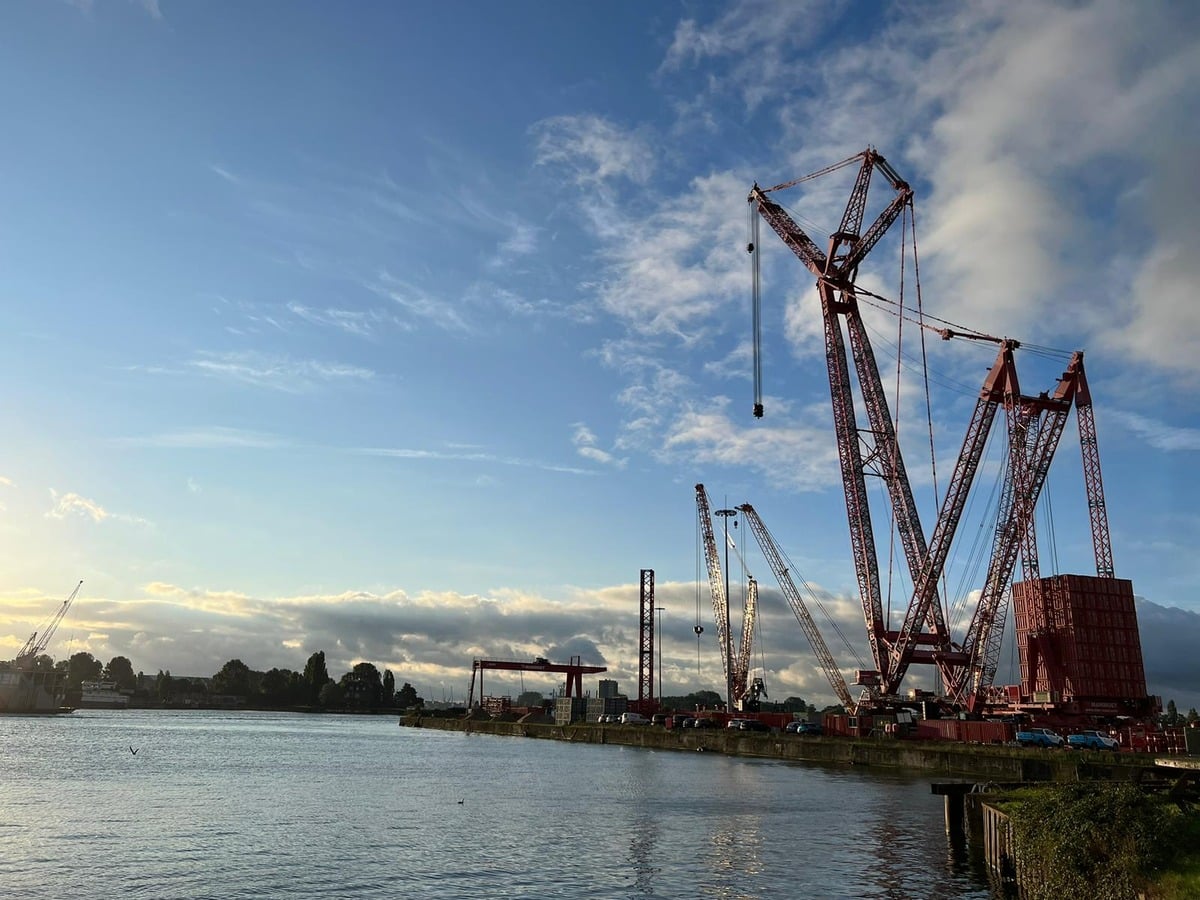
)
(264, 805)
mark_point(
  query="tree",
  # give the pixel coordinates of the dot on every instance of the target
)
(530, 698)
(406, 697)
(282, 687)
(363, 687)
(331, 696)
(82, 667)
(389, 688)
(163, 686)
(1172, 716)
(316, 676)
(1193, 717)
(234, 679)
(120, 670)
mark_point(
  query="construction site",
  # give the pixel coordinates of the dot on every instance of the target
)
(1076, 635)
(930, 666)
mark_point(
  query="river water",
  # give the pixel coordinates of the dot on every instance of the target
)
(264, 805)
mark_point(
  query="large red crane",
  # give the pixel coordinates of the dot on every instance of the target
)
(1034, 426)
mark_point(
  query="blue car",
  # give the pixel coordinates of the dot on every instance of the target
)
(803, 728)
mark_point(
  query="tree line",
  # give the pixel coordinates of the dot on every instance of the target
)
(364, 687)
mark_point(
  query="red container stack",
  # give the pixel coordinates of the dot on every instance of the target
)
(1077, 637)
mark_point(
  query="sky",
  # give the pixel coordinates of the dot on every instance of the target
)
(404, 331)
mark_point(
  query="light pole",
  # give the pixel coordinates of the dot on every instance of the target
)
(726, 514)
(659, 610)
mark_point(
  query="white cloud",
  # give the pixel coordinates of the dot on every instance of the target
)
(593, 149)
(72, 504)
(416, 301)
(207, 438)
(279, 373)
(1158, 434)
(585, 445)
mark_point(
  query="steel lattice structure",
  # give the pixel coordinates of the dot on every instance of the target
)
(1034, 427)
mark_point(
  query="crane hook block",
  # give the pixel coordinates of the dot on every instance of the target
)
(750, 247)
(758, 410)
(699, 629)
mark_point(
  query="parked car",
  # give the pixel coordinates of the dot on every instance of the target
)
(685, 722)
(735, 724)
(658, 719)
(1092, 740)
(799, 727)
(704, 723)
(1040, 737)
(632, 718)
(753, 725)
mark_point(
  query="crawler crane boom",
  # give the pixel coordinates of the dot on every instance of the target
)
(771, 551)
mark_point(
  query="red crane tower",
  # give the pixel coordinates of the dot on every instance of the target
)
(1034, 425)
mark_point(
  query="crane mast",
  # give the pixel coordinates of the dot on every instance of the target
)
(1035, 425)
(775, 559)
(716, 582)
(736, 667)
(874, 449)
(741, 668)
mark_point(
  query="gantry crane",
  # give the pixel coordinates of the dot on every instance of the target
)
(775, 559)
(35, 646)
(1034, 427)
(735, 668)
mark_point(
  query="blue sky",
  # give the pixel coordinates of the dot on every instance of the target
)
(403, 331)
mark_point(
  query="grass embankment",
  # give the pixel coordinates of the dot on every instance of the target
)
(1107, 841)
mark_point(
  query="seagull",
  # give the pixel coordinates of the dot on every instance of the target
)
(134, 752)
(460, 803)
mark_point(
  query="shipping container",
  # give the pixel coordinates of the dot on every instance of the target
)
(1077, 637)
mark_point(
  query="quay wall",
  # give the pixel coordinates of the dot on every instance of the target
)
(983, 762)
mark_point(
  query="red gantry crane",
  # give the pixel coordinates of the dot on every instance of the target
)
(574, 671)
(1035, 424)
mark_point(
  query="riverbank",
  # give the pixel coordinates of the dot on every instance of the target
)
(980, 762)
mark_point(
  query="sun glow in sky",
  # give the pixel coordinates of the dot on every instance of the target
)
(403, 331)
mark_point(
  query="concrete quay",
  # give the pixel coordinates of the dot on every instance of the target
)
(935, 758)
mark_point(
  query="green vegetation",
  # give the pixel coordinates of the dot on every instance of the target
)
(235, 684)
(1108, 841)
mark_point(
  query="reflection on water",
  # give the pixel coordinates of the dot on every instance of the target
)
(275, 805)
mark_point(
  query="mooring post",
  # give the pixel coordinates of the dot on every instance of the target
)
(955, 801)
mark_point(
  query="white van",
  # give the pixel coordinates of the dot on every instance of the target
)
(632, 718)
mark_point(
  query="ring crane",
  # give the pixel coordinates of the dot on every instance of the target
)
(1034, 427)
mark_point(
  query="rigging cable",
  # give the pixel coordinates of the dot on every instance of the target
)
(756, 309)
(698, 628)
(937, 497)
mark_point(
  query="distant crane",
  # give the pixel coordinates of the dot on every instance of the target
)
(775, 559)
(737, 668)
(35, 646)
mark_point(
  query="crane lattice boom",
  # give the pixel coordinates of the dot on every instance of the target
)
(771, 551)
(35, 646)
